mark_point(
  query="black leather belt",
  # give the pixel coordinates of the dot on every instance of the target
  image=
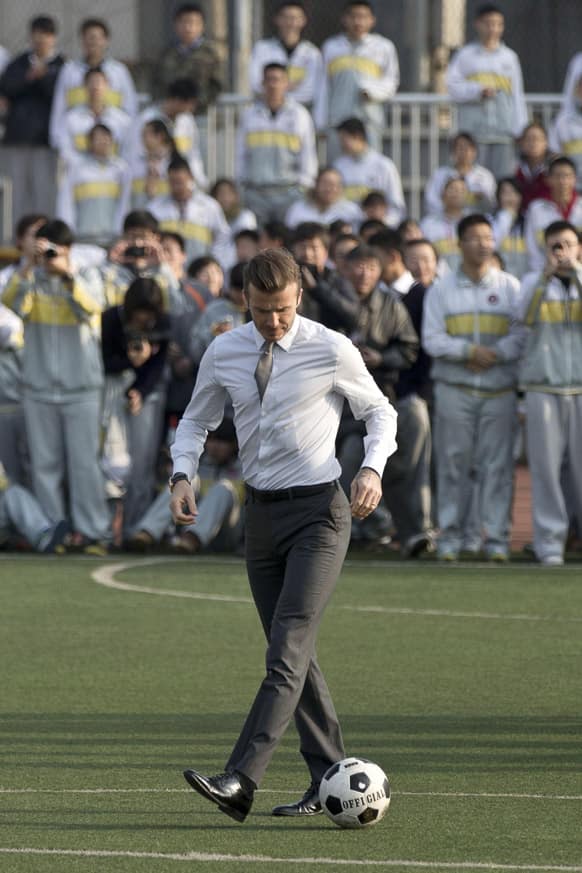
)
(294, 493)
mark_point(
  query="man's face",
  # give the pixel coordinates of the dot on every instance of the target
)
(563, 249)
(94, 42)
(311, 251)
(342, 249)
(181, 185)
(477, 245)
(422, 263)
(43, 44)
(275, 86)
(350, 144)
(175, 257)
(289, 23)
(189, 27)
(97, 85)
(490, 27)
(358, 21)
(562, 182)
(328, 188)
(455, 195)
(464, 152)
(101, 144)
(273, 313)
(364, 275)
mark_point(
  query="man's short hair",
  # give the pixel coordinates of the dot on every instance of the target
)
(57, 232)
(176, 237)
(201, 263)
(414, 243)
(468, 137)
(562, 161)
(388, 241)
(353, 127)
(183, 89)
(488, 9)
(275, 229)
(28, 220)
(88, 23)
(348, 5)
(271, 271)
(237, 276)
(140, 219)
(189, 9)
(298, 3)
(470, 221)
(179, 163)
(247, 233)
(365, 252)
(99, 127)
(274, 65)
(92, 71)
(311, 230)
(43, 24)
(374, 198)
(559, 227)
(371, 225)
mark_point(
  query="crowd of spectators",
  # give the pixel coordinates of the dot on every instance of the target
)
(469, 317)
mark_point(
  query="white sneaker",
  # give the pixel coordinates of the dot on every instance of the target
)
(552, 561)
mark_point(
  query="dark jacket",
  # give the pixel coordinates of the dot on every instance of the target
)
(114, 350)
(332, 302)
(416, 380)
(200, 63)
(27, 121)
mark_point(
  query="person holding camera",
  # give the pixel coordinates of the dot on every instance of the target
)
(551, 375)
(62, 383)
(135, 339)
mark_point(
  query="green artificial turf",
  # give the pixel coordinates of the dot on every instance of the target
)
(463, 683)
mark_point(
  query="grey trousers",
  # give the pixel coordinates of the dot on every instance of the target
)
(143, 436)
(13, 448)
(20, 512)
(270, 202)
(294, 552)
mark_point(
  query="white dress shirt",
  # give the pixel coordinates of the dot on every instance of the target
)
(289, 438)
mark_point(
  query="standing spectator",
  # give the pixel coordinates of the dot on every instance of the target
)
(191, 213)
(508, 228)
(70, 89)
(191, 56)
(471, 332)
(573, 74)
(562, 204)
(325, 204)
(565, 136)
(239, 219)
(63, 379)
(363, 169)
(94, 190)
(276, 158)
(479, 180)
(28, 85)
(287, 47)
(73, 137)
(175, 111)
(441, 229)
(22, 515)
(361, 72)
(223, 313)
(12, 431)
(484, 78)
(551, 375)
(534, 161)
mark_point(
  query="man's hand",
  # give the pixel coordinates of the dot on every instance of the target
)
(183, 504)
(365, 492)
(488, 93)
(57, 265)
(134, 401)
(481, 358)
(372, 358)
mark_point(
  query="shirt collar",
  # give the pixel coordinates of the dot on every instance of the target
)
(403, 283)
(286, 340)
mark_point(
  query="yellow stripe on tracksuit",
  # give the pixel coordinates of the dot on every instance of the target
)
(80, 97)
(573, 147)
(296, 74)
(188, 230)
(93, 190)
(365, 66)
(356, 192)
(492, 80)
(50, 309)
(273, 138)
(161, 187)
(486, 322)
(446, 246)
(513, 244)
(559, 311)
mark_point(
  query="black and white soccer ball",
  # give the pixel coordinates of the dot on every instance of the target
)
(354, 793)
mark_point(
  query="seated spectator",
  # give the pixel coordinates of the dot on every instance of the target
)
(301, 57)
(274, 235)
(223, 313)
(226, 193)
(363, 169)
(339, 248)
(135, 339)
(375, 207)
(441, 229)
(409, 229)
(22, 515)
(479, 180)
(276, 159)
(563, 204)
(62, 378)
(191, 213)
(565, 136)
(149, 170)
(72, 139)
(70, 88)
(508, 228)
(94, 190)
(207, 271)
(246, 243)
(534, 160)
(175, 111)
(191, 56)
(325, 203)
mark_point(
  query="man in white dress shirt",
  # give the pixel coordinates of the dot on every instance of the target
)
(287, 378)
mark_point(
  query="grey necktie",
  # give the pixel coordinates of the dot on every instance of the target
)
(264, 367)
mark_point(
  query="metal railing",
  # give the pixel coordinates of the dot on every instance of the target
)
(418, 131)
(5, 209)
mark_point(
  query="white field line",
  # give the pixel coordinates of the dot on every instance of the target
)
(106, 575)
(488, 795)
(204, 857)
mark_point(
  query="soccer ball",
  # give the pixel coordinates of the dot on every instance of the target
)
(354, 793)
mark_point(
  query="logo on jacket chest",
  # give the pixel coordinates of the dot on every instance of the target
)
(493, 299)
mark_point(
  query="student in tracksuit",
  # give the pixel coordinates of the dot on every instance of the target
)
(63, 379)
(361, 73)
(551, 375)
(565, 135)
(276, 159)
(564, 204)
(484, 79)
(471, 331)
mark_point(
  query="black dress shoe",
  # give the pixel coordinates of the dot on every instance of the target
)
(225, 789)
(308, 805)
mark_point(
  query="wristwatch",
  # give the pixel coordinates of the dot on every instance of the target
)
(177, 477)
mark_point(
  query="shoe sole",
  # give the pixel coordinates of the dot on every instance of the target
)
(236, 814)
(281, 814)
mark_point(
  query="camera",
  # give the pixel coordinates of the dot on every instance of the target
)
(50, 253)
(135, 252)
